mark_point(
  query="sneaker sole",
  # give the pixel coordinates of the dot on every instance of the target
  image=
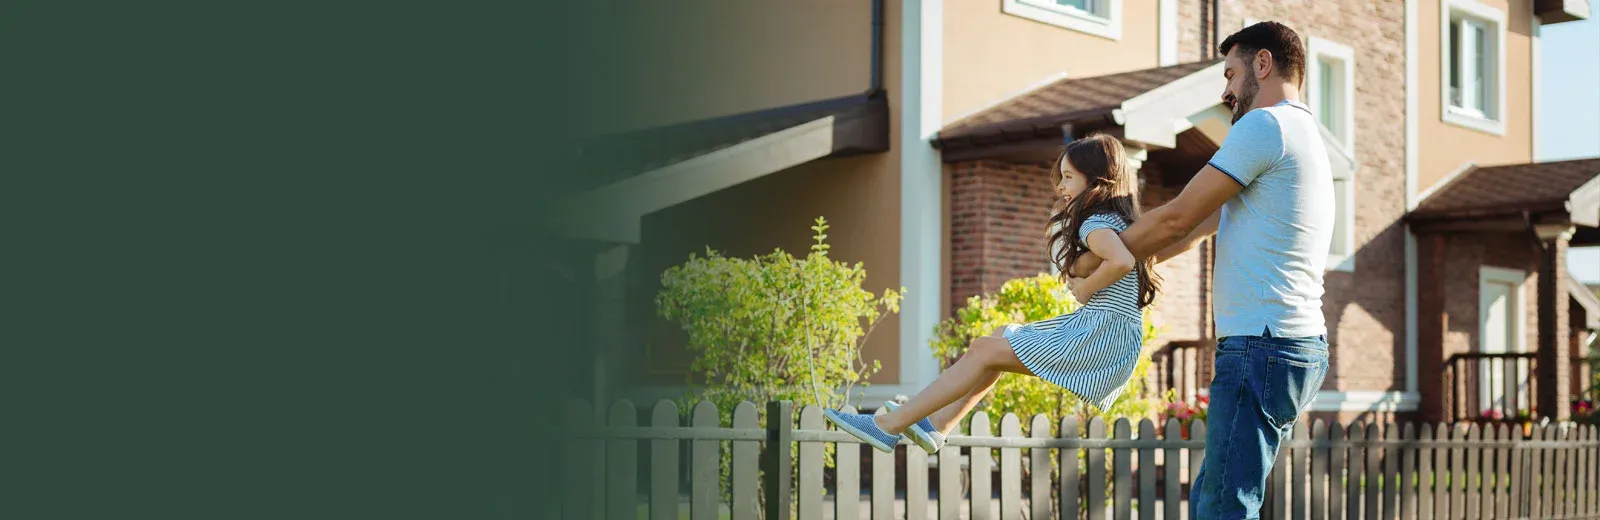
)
(864, 437)
(917, 436)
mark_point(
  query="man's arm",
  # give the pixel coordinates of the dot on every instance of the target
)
(1205, 230)
(1168, 225)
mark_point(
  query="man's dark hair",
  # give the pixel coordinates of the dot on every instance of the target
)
(1288, 54)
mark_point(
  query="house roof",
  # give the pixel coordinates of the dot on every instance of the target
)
(1560, 186)
(861, 124)
(1041, 111)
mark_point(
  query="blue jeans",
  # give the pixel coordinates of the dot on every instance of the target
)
(1261, 385)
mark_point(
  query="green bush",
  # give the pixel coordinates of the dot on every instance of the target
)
(774, 327)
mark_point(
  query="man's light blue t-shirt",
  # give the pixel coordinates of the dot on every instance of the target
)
(1273, 239)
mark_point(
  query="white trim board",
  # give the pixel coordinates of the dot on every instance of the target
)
(1150, 118)
(921, 188)
(1411, 105)
(612, 213)
(1364, 401)
(1167, 42)
(1411, 166)
(1534, 63)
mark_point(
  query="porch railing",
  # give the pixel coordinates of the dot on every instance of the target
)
(1178, 366)
(773, 467)
(1490, 387)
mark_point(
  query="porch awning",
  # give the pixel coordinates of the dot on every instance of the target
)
(634, 174)
(1560, 193)
(1586, 299)
(1150, 107)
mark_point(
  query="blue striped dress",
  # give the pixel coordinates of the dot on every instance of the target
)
(1092, 351)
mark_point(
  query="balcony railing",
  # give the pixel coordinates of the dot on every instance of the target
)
(1488, 387)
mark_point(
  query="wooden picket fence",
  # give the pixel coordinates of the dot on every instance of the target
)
(670, 469)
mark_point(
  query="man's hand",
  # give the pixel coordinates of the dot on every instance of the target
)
(1080, 289)
(1085, 266)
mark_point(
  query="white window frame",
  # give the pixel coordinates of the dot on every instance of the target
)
(1495, 121)
(1318, 48)
(1345, 261)
(1103, 20)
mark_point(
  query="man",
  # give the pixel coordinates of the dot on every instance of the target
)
(1267, 195)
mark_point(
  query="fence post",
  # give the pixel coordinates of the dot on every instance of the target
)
(847, 477)
(811, 484)
(776, 463)
(664, 464)
(746, 455)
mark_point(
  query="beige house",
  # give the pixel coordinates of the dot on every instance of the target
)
(922, 130)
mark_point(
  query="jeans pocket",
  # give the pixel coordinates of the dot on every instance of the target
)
(1290, 385)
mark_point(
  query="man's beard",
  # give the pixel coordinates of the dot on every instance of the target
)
(1246, 99)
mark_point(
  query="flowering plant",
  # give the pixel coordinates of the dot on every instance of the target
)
(1582, 407)
(1184, 411)
(1492, 414)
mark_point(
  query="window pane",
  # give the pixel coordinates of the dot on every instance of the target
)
(1454, 66)
(1481, 67)
(1080, 4)
(1341, 195)
(1325, 93)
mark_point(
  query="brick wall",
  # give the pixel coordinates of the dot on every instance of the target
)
(998, 214)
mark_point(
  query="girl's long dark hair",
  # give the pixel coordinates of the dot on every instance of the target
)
(1111, 188)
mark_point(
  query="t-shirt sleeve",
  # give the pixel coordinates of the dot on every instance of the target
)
(1252, 147)
(1095, 223)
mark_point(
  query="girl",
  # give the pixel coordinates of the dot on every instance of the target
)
(1090, 352)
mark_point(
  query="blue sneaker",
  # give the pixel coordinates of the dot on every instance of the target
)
(863, 427)
(922, 433)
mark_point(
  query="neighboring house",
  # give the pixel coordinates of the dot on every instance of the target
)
(925, 140)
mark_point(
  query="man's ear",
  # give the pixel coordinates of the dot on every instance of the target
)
(1263, 64)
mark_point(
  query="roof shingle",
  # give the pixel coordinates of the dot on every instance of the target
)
(1510, 187)
(1066, 100)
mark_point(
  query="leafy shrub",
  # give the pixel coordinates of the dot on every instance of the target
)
(773, 327)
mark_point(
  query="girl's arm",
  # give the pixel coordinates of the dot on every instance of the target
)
(1116, 262)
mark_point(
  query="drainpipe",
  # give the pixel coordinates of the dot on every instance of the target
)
(1215, 35)
(877, 49)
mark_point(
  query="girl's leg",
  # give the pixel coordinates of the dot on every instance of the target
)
(948, 417)
(978, 369)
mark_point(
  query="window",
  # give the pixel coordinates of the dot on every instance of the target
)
(1473, 65)
(1330, 89)
(1330, 92)
(1097, 17)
